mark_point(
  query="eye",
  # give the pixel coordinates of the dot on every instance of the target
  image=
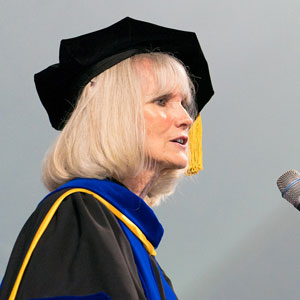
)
(162, 101)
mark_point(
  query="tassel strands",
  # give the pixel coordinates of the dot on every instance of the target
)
(195, 147)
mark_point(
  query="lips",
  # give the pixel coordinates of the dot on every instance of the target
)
(182, 140)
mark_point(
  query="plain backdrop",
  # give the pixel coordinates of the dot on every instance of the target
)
(228, 233)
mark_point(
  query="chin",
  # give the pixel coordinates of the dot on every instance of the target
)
(181, 162)
(181, 166)
(176, 164)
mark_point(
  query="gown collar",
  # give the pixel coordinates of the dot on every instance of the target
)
(131, 205)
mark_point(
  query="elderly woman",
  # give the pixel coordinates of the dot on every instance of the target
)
(125, 103)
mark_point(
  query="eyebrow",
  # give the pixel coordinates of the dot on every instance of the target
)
(167, 96)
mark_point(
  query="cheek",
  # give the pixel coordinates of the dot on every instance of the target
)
(156, 122)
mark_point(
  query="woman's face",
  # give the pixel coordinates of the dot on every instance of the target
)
(167, 124)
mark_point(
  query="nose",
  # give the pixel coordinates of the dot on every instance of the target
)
(183, 119)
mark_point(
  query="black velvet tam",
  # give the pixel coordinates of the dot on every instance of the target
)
(86, 56)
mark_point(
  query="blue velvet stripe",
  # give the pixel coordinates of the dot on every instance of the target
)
(143, 263)
(98, 296)
(125, 201)
(170, 295)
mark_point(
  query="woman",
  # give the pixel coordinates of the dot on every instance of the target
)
(125, 103)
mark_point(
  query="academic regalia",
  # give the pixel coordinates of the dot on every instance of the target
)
(95, 239)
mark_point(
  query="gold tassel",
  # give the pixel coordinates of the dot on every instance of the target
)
(195, 146)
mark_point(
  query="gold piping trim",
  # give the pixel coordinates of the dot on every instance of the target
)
(136, 231)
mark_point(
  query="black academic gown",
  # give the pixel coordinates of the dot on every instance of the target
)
(85, 250)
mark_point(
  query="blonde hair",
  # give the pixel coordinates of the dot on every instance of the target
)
(105, 134)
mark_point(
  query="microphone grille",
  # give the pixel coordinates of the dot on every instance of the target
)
(289, 186)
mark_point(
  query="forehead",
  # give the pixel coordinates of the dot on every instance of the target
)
(147, 76)
(163, 75)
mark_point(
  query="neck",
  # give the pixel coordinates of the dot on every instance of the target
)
(142, 183)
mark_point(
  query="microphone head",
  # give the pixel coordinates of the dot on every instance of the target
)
(289, 186)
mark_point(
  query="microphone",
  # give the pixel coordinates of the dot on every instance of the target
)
(289, 186)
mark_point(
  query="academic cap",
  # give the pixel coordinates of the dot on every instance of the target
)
(86, 56)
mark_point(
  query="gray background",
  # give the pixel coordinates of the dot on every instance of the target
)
(228, 233)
